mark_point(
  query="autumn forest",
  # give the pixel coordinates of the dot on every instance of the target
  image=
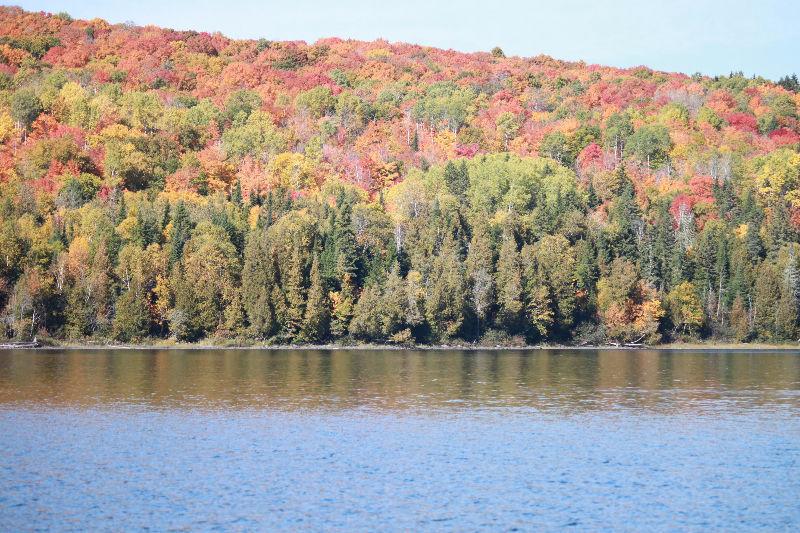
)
(183, 186)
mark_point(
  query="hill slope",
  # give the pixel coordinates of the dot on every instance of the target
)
(172, 183)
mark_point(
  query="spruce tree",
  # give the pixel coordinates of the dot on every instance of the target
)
(258, 279)
(181, 231)
(368, 320)
(446, 301)
(294, 288)
(317, 314)
(481, 273)
(510, 304)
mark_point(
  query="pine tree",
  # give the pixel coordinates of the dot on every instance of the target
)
(593, 201)
(480, 273)
(294, 288)
(767, 292)
(753, 242)
(456, 177)
(368, 317)
(236, 194)
(510, 304)
(344, 242)
(317, 314)
(446, 302)
(394, 303)
(786, 314)
(234, 314)
(181, 231)
(343, 304)
(257, 283)
(779, 228)
(625, 218)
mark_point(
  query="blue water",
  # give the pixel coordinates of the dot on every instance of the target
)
(345, 441)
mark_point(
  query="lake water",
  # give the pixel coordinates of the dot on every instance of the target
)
(246, 440)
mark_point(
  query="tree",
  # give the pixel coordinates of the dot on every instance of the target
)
(258, 280)
(343, 302)
(617, 132)
(240, 104)
(510, 303)
(25, 107)
(445, 303)
(141, 110)
(131, 314)
(210, 269)
(131, 319)
(256, 136)
(456, 177)
(368, 320)
(553, 267)
(317, 313)
(554, 146)
(294, 288)
(508, 125)
(622, 234)
(629, 309)
(650, 144)
(481, 273)
(317, 101)
(181, 230)
(685, 310)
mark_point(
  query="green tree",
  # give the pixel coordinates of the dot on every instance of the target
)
(240, 104)
(317, 313)
(510, 304)
(25, 107)
(210, 269)
(650, 144)
(446, 301)
(258, 280)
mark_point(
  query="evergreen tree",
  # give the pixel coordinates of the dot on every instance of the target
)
(257, 283)
(481, 273)
(446, 301)
(236, 194)
(456, 177)
(510, 303)
(294, 285)
(368, 317)
(394, 304)
(343, 307)
(625, 219)
(317, 314)
(181, 231)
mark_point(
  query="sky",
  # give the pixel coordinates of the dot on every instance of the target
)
(758, 37)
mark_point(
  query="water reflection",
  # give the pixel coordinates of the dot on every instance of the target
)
(562, 380)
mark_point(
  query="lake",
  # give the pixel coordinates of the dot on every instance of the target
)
(347, 440)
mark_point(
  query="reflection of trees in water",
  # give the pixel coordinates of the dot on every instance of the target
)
(561, 380)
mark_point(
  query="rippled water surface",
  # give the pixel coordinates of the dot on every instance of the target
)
(398, 440)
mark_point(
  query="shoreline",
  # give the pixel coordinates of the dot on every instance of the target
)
(50, 344)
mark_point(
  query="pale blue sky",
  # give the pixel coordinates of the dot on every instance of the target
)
(710, 36)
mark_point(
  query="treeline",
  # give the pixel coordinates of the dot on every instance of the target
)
(177, 184)
(498, 249)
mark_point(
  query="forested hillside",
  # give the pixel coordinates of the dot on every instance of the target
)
(174, 184)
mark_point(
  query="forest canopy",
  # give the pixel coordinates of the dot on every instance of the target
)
(183, 185)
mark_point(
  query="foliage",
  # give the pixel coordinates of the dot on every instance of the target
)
(161, 183)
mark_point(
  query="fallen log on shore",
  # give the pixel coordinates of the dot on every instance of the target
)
(15, 345)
